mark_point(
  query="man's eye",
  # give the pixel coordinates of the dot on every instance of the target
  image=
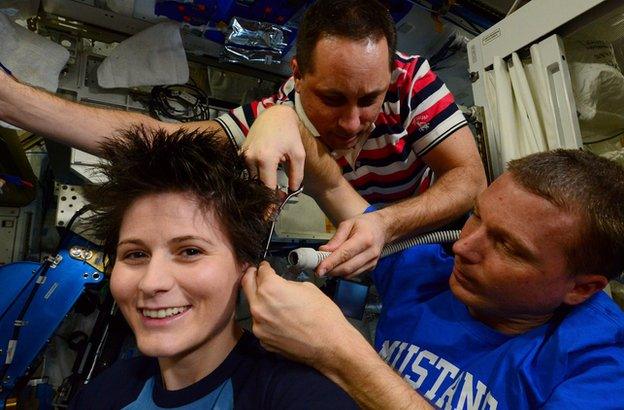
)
(367, 102)
(332, 101)
(508, 249)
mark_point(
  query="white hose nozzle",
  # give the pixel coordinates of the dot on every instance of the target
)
(306, 258)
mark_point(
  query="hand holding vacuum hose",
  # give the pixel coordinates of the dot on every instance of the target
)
(308, 258)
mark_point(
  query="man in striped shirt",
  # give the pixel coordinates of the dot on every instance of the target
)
(390, 123)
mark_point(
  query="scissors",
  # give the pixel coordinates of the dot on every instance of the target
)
(291, 194)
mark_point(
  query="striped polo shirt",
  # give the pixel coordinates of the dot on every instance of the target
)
(418, 113)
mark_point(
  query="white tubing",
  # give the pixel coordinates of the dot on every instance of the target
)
(308, 258)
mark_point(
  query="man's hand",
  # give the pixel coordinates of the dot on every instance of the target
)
(273, 139)
(293, 318)
(359, 238)
(355, 247)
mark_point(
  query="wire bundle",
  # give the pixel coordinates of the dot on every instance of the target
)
(185, 102)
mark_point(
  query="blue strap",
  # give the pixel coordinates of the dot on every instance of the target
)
(371, 208)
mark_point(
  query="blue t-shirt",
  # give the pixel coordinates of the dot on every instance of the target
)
(573, 362)
(249, 378)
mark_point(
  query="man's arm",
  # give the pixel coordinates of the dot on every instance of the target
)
(84, 127)
(460, 177)
(354, 365)
(359, 240)
(71, 123)
(323, 181)
(299, 321)
(343, 205)
(309, 162)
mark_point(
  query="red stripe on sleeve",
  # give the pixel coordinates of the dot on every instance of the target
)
(342, 162)
(254, 108)
(424, 81)
(424, 184)
(267, 102)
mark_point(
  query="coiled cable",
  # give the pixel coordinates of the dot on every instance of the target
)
(181, 102)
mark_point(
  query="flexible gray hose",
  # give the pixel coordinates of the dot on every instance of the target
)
(308, 258)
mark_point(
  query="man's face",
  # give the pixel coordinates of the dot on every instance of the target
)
(510, 260)
(175, 277)
(342, 94)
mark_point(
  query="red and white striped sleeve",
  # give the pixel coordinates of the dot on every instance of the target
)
(237, 121)
(430, 113)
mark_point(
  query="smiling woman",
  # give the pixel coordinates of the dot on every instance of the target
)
(175, 279)
(181, 220)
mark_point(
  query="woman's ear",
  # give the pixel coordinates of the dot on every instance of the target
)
(244, 266)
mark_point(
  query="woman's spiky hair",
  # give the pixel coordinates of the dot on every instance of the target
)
(143, 161)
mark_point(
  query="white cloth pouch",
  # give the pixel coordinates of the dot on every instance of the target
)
(154, 56)
(32, 59)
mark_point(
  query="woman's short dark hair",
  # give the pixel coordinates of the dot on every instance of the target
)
(351, 19)
(593, 188)
(143, 161)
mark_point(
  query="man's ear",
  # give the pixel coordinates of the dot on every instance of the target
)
(584, 287)
(294, 66)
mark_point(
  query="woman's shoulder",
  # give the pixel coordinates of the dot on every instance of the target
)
(119, 383)
(287, 384)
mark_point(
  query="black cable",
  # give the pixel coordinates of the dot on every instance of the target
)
(45, 265)
(444, 52)
(466, 29)
(472, 31)
(186, 102)
(474, 26)
(183, 103)
(605, 139)
(47, 188)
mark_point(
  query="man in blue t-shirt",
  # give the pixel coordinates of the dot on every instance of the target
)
(513, 318)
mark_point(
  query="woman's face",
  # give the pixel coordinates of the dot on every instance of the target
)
(176, 276)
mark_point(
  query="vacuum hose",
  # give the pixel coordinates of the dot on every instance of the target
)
(309, 259)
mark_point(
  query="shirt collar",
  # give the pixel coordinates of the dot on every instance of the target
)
(303, 117)
(350, 154)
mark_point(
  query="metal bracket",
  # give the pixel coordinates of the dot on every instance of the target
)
(78, 252)
(54, 260)
(89, 256)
